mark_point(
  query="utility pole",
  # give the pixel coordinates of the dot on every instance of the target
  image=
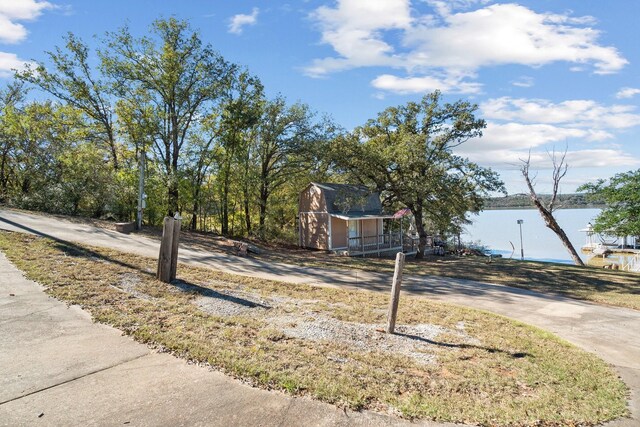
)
(521, 247)
(141, 196)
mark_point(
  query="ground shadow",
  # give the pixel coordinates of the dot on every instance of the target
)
(517, 355)
(206, 292)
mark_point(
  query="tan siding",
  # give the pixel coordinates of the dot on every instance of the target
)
(312, 200)
(314, 229)
(369, 227)
(338, 233)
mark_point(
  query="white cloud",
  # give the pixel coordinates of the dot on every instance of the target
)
(18, 10)
(578, 113)
(238, 22)
(424, 84)
(588, 159)
(517, 125)
(450, 43)
(510, 137)
(523, 81)
(511, 34)
(9, 62)
(627, 92)
(355, 30)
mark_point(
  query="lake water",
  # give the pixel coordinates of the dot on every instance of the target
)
(494, 229)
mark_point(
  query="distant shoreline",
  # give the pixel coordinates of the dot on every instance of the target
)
(520, 208)
(523, 201)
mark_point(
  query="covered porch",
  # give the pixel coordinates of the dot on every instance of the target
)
(358, 234)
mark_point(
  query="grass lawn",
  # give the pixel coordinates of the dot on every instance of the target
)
(610, 287)
(447, 363)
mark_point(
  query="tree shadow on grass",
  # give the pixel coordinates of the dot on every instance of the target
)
(210, 293)
(516, 355)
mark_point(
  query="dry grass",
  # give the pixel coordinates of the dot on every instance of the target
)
(498, 372)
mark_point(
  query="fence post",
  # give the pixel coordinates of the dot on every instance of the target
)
(395, 293)
(168, 257)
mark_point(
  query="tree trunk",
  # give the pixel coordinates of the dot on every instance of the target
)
(264, 198)
(559, 171)
(225, 205)
(553, 225)
(247, 211)
(194, 217)
(172, 194)
(422, 233)
(4, 180)
(112, 146)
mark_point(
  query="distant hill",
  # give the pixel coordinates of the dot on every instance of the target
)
(523, 201)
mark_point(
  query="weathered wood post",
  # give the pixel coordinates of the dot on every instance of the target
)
(174, 246)
(395, 293)
(168, 257)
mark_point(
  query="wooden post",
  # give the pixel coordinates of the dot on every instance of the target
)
(168, 257)
(395, 293)
(174, 247)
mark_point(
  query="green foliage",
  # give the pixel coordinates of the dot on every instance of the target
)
(406, 153)
(176, 78)
(621, 193)
(72, 80)
(217, 150)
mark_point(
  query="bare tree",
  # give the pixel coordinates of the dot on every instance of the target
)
(560, 168)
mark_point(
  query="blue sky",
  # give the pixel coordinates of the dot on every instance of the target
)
(546, 74)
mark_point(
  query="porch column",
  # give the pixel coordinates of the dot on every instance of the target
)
(330, 236)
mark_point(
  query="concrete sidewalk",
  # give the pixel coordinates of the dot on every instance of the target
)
(59, 368)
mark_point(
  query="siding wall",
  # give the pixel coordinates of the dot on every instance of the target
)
(339, 233)
(369, 227)
(314, 221)
(311, 200)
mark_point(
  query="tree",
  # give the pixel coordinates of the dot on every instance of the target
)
(406, 154)
(241, 111)
(11, 99)
(177, 75)
(72, 80)
(546, 210)
(286, 143)
(621, 193)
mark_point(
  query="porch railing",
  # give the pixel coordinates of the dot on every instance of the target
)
(376, 243)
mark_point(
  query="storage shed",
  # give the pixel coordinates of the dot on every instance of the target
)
(345, 218)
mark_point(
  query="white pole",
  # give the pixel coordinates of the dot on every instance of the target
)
(521, 246)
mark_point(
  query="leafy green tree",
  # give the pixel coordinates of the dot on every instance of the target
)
(406, 153)
(621, 193)
(177, 75)
(240, 111)
(11, 100)
(287, 145)
(71, 79)
(54, 166)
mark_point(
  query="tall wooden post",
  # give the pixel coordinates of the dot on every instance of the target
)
(168, 258)
(395, 293)
(174, 247)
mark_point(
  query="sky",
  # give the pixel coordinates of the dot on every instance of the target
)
(546, 75)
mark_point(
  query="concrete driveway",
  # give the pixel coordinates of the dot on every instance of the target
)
(611, 333)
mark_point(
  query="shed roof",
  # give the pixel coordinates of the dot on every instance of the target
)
(352, 201)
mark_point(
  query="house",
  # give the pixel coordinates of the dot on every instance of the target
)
(346, 219)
